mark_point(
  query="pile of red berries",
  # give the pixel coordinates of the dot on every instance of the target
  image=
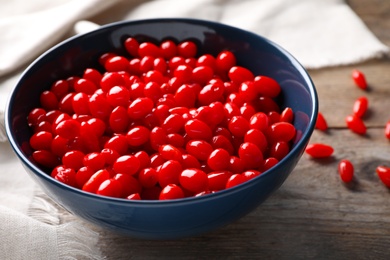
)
(160, 123)
(355, 123)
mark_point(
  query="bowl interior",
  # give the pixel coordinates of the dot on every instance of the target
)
(72, 56)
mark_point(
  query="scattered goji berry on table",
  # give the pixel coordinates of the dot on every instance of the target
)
(359, 78)
(360, 106)
(387, 130)
(346, 170)
(384, 174)
(356, 124)
(321, 123)
(319, 150)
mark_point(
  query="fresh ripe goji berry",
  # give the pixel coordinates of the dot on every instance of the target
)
(60, 88)
(118, 96)
(248, 91)
(259, 121)
(251, 155)
(194, 180)
(67, 176)
(197, 129)
(41, 140)
(238, 126)
(134, 196)
(247, 111)
(387, 130)
(200, 149)
(359, 79)
(217, 180)
(85, 86)
(170, 192)
(218, 160)
(92, 75)
(118, 143)
(279, 150)
(383, 173)
(138, 135)
(173, 123)
(319, 150)
(127, 164)
(287, 115)
(168, 49)
(235, 180)
(48, 100)
(257, 137)
(95, 180)
(148, 177)
(240, 74)
(161, 123)
(169, 152)
(356, 124)
(220, 141)
(80, 104)
(129, 183)
(224, 61)
(169, 173)
(187, 49)
(360, 106)
(94, 160)
(266, 86)
(158, 137)
(250, 174)
(190, 161)
(131, 44)
(46, 158)
(269, 163)
(321, 123)
(140, 107)
(110, 80)
(281, 131)
(83, 175)
(346, 170)
(236, 165)
(73, 159)
(210, 93)
(99, 106)
(119, 120)
(111, 188)
(148, 49)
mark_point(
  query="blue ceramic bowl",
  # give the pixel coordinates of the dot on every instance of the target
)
(176, 218)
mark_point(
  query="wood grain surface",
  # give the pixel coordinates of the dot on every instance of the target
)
(313, 215)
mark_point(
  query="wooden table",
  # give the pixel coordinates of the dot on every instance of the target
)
(313, 215)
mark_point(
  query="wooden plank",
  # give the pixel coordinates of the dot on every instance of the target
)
(313, 215)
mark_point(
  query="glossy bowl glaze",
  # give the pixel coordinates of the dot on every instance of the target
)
(182, 217)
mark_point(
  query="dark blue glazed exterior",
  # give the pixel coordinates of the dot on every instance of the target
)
(177, 218)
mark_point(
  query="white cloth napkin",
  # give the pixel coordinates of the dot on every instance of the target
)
(318, 33)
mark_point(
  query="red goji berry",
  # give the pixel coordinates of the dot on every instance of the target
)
(359, 79)
(321, 123)
(346, 170)
(356, 124)
(384, 174)
(360, 106)
(319, 150)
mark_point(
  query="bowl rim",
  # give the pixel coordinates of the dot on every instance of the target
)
(299, 145)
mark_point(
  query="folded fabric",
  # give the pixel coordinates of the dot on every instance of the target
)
(318, 33)
(33, 30)
(26, 238)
